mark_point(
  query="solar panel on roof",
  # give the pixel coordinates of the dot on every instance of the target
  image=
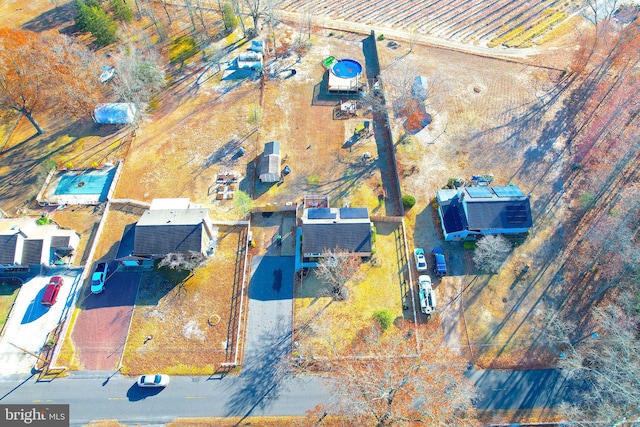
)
(517, 214)
(321, 213)
(353, 213)
(511, 191)
(479, 192)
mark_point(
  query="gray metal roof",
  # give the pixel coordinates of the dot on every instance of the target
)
(32, 251)
(272, 147)
(8, 248)
(270, 168)
(60, 241)
(352, 237)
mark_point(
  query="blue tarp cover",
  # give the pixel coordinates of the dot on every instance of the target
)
(118, 113)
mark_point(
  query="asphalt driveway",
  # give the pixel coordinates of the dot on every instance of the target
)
(270, 306)
(101, 328)
(269, 328)
(30, 322)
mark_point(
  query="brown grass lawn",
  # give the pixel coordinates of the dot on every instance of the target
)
(8, 294)
(188, 317)
(332, 325)
(484, 105)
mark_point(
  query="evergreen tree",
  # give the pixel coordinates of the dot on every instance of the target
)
(121, 11)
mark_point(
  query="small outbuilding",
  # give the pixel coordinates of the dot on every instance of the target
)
(420, 88)
(116, 113)
(269, 167)
(250, 60)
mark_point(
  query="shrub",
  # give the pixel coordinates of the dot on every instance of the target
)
(313, 180)
(469, 245)
(43, 220)
(381, 37)
(49, 165)
(385, 317)
(408, 201)
(587, 201)
(182, 49)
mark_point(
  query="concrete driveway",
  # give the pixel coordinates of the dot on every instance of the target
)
(101, 328)
(30, 322)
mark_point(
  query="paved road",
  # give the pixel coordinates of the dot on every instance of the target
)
(95, 396)
(544, 388)
(92, 397)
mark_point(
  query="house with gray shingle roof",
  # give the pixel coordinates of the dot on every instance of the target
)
(469, 212)
(24, 242)
(181, 229)
(347, 229)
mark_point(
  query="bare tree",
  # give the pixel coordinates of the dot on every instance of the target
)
(600, 10)
(413, 37)
(258, 9)
(491, 253)
(180, 261)
(337, 268)
(385, 382)
(139, 76)
(165, 7)
(607, 359)
(40, 70)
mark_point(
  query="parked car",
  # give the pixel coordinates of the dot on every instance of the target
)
(427, 295)
(153, 380)
(421, 261)
(51, 291)
(99, 277)
(439, 263)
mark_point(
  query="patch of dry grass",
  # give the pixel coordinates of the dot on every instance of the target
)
(176, 309)
(8, 294)
(67, 356)
(332, 326)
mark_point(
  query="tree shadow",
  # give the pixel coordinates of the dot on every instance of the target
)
(265, 371)
(52, 19)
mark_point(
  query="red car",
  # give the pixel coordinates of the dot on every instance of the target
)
(51, 291)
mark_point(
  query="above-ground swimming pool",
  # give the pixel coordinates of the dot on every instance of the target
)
(347, 68)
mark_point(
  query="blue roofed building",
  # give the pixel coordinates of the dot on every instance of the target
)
(469, 212)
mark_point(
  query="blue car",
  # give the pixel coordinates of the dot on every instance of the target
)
(439, 263)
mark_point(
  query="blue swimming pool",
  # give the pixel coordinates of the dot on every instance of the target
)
(347, 68)
(93, 182)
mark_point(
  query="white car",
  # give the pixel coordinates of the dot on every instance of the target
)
(99, 277)
(153, 380)
(427, 295)
(421, 261)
